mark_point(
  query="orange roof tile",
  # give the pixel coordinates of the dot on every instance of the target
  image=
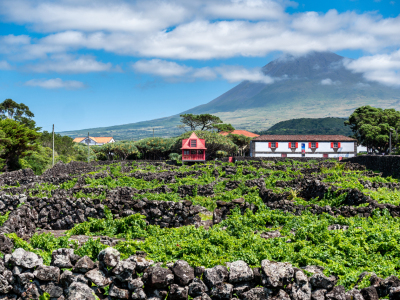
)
(101, 139)
(242, 132)
(78, 140)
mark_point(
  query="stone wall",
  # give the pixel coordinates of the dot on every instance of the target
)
(71, 277)
(389, 165)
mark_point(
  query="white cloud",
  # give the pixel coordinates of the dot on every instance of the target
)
(160, 68)
(55, 83)
(169, 69)
(204, 73)
(181, 29)
(4, 65)
(237, 74)
(328, 81)
(115, 15)
(69, 64)
(246, 9)
(383, 68)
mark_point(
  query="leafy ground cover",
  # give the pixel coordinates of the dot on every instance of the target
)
(367, 244)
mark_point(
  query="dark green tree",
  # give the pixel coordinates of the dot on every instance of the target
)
(117, 151)
(214, 142)
(371, 127)
(63, 145)
(155, 148)
(21, 140)
(224, 127)
(19, 112)
(240, 140)
(4, 142)
(202, 122)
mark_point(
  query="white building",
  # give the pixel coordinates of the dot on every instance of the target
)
(303, 146)
(93, 141)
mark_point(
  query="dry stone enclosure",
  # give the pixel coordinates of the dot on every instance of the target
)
(262, 229)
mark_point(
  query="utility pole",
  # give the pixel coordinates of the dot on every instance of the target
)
(53, 145)
(390, 140)
(153, 132)
(88, 147)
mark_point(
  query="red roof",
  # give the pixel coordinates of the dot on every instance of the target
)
(242, 132)
(305, 138)
(200, 144)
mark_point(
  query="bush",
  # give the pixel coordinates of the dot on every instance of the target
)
(175, 156)
(156, 147)
(214, 142)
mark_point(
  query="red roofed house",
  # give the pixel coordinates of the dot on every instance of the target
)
(193, 149)
(94, 140)
(303, 146)
(242, 132)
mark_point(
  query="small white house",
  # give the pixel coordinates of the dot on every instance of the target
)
(303, 146)
(94, 141)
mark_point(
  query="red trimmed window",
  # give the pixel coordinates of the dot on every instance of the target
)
(186, 152)
(313, 145)
(293, 145)
(193, 143)
(273, 145)
(335, 145)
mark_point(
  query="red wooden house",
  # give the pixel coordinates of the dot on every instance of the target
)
(193, 149)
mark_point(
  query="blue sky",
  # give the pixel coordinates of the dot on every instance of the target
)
(85, 63)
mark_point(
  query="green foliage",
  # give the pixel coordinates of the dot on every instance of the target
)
(370, 244)
(21, 139)
(200, 122)
(155, 147)
(214, 142)
(224, 127)
(129, 227)
(175, 156)
(63, 145)
(117, 151)
(81, 152)
(38, 160)
(240, 140)
(4, 218)
(371, 126)
(19, 112)
(3, 143)
(309, 126)
(45, 296)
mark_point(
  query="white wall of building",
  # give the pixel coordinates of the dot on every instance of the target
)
(323, 147)
(267, 155)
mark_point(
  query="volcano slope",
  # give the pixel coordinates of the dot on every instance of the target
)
(251, 230)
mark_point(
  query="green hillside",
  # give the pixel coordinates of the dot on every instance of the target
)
(310, 126)
(300, 91)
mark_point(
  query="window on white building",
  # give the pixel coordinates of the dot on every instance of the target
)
(273, 145)
(335, 145)
(314, 145)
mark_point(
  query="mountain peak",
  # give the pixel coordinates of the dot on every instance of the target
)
(311, 65)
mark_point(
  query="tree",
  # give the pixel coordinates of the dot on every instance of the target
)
(203, 121)
(38, 160)
(214, 142)
(19, 112)
(3, 143)
(156, 147)
(241, 141)
(371, 126)
(63, 145)
(224, 127)
(117, 151)
(21, 140)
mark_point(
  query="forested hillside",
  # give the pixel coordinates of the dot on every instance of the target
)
(310, 126)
